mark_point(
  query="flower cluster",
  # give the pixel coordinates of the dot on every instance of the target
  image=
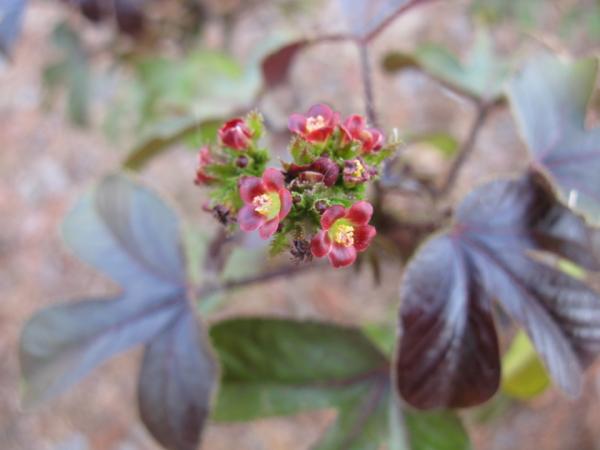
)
(314, 205)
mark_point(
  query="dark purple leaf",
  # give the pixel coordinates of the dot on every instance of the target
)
(11, 18)
(448, 352)
(176, 383)
(129, 15)
(276, 66)
(549, 99)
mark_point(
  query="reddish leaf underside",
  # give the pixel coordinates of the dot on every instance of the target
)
(448, 351)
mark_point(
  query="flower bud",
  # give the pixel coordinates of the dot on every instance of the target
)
(235, 134)
(241, 161)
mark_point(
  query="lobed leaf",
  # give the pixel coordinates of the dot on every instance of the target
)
(448, 351)
(549, 99)
(130, 234)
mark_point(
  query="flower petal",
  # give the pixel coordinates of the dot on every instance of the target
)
(319, 135)
(320, 244)
(286, 203)
(354, 125)
(332, 214)
(322, 110)
(297, 123)
(340, 256)
(360, 213)
(376, 139)
(268, 228)
(363, 236)
(248, 219)
(250, 187)
(272, 179)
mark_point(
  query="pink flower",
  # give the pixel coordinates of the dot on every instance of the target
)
(317, 125)
(344, 232)
(266, 203)
(235, 134)
(204, 159)
(355, 128)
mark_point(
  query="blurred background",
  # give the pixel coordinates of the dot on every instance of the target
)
(88, 84)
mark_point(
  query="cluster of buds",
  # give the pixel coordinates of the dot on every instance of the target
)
(312, 206)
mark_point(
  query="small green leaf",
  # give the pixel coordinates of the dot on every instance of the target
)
(447, 144)
(523, 374)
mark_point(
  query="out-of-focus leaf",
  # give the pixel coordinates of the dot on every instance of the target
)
(523, 374)
(70, 70)
(447, 144)
(398, 61)
(381, 334)
(365, 16)
(129, 15)
(176, 383)
(62, 344)
(276, 66)
(166, 135)
(129, 234)
(439, 430)
(275, 366)
(549, 99)
(11, 18)
(126, 231)
(448, 352)
(185, 100)
(481, 76)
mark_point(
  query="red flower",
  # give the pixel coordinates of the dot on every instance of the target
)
(235, 134)
(204, 159)
(266, 203)
(317, 125)
(344, 233)
(355, 128)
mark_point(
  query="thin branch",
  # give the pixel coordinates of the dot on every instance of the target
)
(265, 277)
(365, 67)
(483, 110)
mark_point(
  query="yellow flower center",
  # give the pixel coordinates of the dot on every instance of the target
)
(359, 170)
(315, 123)
(267, 204)
(344, 235)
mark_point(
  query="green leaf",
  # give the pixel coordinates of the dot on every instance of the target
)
(274, 367)
(188, 99)
(549, 100)
(71, 70)
(168, 134)
(445, 143)
(523, 373)
(279, 367)
(437, 430)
